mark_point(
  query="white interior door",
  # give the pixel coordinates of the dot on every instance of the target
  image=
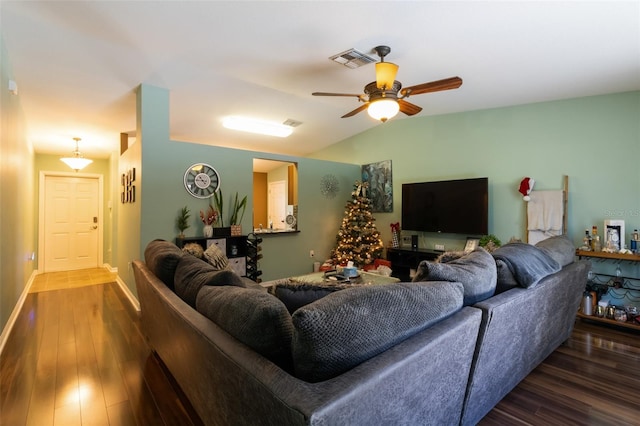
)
(277, 203)
(71, 223)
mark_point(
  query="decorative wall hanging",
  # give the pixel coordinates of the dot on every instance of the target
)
(128, 194)
(329, 186)
(380, 181)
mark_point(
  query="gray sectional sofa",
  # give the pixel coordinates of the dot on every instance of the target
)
(441, 351)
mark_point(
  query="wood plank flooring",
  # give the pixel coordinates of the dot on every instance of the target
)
(76, 356)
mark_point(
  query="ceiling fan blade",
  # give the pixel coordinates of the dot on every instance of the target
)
(357, 110)
(409, 108)
(433, 86)
(335, 94)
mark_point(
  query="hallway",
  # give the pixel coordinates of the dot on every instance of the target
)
(76, 357)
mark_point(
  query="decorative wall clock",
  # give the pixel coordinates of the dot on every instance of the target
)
(201, 180)
(329, 186)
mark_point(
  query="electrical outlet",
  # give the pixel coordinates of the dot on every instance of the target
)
(439, 247)
(312, 253)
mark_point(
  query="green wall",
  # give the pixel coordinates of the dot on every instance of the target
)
(162, 163)
(593, 140)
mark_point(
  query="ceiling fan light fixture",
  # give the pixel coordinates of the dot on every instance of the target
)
(260, 127)
(77, 162)
(385, 75)
(383, 109)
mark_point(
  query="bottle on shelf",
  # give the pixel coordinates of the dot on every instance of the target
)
(595, 239)
(634, 243)
(586, 241)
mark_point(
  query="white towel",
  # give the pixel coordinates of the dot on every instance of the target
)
(545, 211)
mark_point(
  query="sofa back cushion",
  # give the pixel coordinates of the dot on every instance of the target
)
(348, 327)
(192, 274)
(559, 248)
(161, 257)
(256, 318)
(476, 271)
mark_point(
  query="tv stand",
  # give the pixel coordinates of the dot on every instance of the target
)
(403, 260)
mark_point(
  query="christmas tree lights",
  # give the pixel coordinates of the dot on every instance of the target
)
(358, 239)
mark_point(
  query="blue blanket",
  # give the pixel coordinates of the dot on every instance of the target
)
(528, 264)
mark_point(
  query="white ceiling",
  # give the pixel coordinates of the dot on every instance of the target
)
(77, 63)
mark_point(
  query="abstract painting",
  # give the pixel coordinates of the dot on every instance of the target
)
(380, 185)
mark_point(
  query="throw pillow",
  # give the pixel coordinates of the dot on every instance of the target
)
(476, 271)
(528, 264)
(162, 259)
(347, 327)
(448, 256)
(559, 248)
(193, 249)
(216, 258)
(255, 318)
(192, 274)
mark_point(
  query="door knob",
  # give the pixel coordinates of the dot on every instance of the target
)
(94, 227)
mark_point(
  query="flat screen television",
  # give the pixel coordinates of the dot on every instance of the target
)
(451, 206)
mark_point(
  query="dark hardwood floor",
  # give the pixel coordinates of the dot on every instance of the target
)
(76, 356)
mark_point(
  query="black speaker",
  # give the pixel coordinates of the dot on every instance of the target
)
(414, 242)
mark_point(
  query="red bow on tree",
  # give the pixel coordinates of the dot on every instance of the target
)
(395, 227)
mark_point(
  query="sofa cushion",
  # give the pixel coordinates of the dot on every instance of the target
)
(348, 327)
(476, 271)
(216, 258)
(527, 264)
(296, 294)
(161, 257)
(559, 248)
(257, 319)
(192, 274)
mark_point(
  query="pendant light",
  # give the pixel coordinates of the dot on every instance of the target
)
(383, 109)
(77, 162)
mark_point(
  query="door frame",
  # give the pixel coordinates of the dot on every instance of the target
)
(41, 201)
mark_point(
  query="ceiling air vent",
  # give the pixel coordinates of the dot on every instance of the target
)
(352, 58)
(291, 122)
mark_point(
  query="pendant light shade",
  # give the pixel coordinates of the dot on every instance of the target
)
(386, 75)
(77, 162)
(383, 109)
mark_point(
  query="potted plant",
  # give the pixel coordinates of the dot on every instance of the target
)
(182, 221)
(237, 210)
(219, 230)
(489, 242)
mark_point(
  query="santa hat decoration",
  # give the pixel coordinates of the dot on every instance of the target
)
(526, 186)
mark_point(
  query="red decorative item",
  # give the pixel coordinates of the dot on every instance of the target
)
(395, 232)
(526, 186)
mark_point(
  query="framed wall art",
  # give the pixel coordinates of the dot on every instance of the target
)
(379, 177)
(614, 235)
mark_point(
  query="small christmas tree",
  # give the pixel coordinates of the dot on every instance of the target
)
(358, 239)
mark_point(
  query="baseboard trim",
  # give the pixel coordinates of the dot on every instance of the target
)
(132, 299)
(6, 331)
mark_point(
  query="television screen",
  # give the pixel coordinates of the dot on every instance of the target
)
(452, 206)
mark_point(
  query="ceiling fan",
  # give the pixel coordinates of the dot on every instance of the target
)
(384, 97)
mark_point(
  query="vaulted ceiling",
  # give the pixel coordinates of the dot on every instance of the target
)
(77, 64)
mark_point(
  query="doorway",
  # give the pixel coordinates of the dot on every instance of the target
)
(70, 222)
(277, 202)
